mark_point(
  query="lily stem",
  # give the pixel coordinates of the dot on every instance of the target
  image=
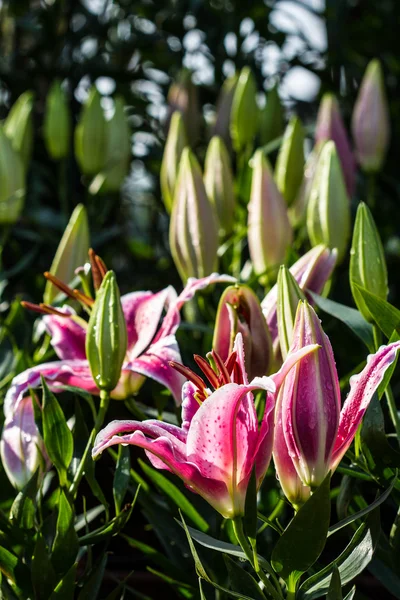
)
(104, 402)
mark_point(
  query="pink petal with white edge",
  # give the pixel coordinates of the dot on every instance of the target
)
(190, 405)
(67, 335)
(362, 388)
(22, 449)
(291, 359)
(154, 363)
(173, 318)
(142, 311)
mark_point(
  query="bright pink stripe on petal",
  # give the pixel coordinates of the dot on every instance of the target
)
(67, 336)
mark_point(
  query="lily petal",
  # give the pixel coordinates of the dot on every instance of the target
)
(67, 334)
(362, 388)
(190, 405)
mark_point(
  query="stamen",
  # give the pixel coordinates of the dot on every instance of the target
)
(189, 374)
(224, 375)
(43, 309)
(74, 294)
(230, 362)
(83, 298)
(101, 264)
(207, 370)
(237, 374)
(96, 273)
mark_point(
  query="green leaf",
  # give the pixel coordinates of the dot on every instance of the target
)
(349, 316)
(65, 589)
(122, 477)
(376, 449)
(56, 433)
(352, 561)
(351, 594)
(173, 492)
(297, 551)
(8, 563)
(335, 586)
(43, 574)
(157, 557)
(109, 529)
(241, 580)
(22, 513)
(385, 315)
(363, 511)
(65, 546)
(92, 586)
(250, 508)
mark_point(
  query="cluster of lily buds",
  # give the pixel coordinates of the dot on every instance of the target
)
(57, 122)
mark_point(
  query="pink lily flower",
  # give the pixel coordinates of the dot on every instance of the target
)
(311, 272)
(220, 441)
(150, 349)
(312, 433)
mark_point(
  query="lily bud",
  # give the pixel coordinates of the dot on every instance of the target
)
(218, 180)
(193, 233)
(57, 122)
(106, 337)
(244, 114)
(370, 121)
(12, 181)
(328, 213)
(183, 97)
(239, 311)
(18, 127)
(272, 118)
(176, 142)
(290, 161)
(289, 295)
(330, 126)
(118, 152)
(91, 136)
(71, 253)
(367, 260)
(223, 111)
(269, 230)
(298, 210)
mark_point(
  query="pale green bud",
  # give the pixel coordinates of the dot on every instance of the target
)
(12, 181)
(367, 260)
(218, 180)
(176, 142)
(289, 294)
(106, 337)
(18, 127)
(272, 118)
(57, 122)
(290, 161)
(221, 125)
(72, 252)
(91, 136)
(183, 97)
(244, 114)
(328, 213)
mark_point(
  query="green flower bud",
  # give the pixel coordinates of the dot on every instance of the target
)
(18, 127)
(367, 260)
(290, 162)
(183, 97)
(244, 114)
(12, 181)
(176, 142)
(328, 213)
(289, 295)
(118, 153)
(223, 111)
(106, 337)
(193, 233)
(72, 252)
(218, 180)
(57, 122)
(91, 136)
(298, 210)
(271, 119)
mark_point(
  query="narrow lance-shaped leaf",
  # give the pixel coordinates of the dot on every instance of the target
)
(66, 545)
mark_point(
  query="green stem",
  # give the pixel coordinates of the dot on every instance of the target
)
(353, 473)
(104, 402)
(291, 588)
(394, 415)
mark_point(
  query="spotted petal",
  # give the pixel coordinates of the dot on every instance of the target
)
(67, 334)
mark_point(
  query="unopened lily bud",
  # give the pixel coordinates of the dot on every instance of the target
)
(330, 126)
(176, 142)
(193, 233)
(244, 114)
(57, 122)
(328, 213)
(290, 161)
(106, 337)
(183, 97)
(18, 127)
(218, 180)
(221, 125)
(269, 230)
(367, 260)
(370, 121)
(289, 295)
(239, 311)
(298, 210)
(12, 181)
(91, 136)
(272, 118)
(72, 252)
(118, 152)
